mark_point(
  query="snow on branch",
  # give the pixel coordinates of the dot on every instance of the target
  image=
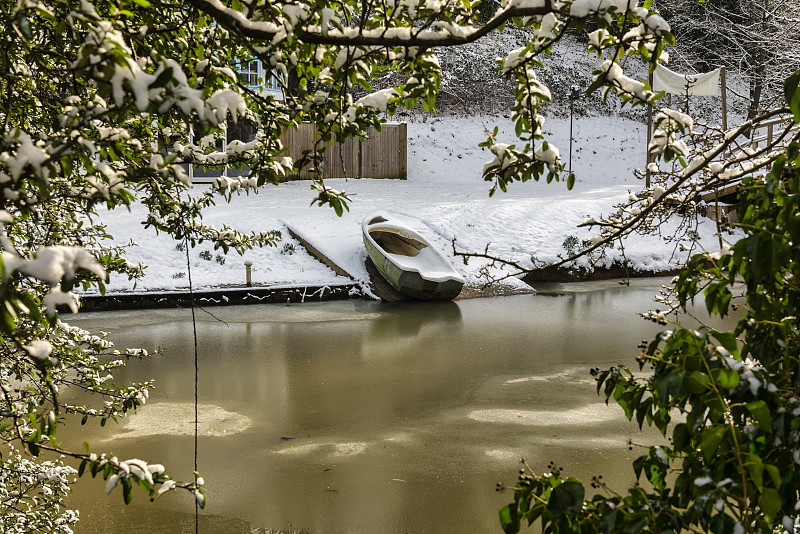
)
(436, 33)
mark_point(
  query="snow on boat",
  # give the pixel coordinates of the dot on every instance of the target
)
(407, 261)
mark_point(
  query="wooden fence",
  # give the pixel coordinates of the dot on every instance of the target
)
(380, 155)
(765, 132)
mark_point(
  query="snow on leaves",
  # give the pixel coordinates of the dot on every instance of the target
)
(27, 154)
(52, 265)
(32, 495)
(643, 32)
(105, 107)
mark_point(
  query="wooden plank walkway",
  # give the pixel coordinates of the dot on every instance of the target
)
(316, 253)
(377, 284)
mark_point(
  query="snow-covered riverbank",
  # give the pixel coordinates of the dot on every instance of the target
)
(444, 191)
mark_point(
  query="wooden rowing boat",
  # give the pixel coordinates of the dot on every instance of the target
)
(407, 261)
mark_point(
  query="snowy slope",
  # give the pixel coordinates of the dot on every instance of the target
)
(444, 191)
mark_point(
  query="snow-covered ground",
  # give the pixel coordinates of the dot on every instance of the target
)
(444, 191)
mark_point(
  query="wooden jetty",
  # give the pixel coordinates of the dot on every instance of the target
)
(377, 284)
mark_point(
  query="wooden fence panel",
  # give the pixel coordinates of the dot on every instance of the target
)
(402, 163)
(341, 160)
(384, 154)
(302, 140)
(381, 154)
(389, 152)
(371, 154)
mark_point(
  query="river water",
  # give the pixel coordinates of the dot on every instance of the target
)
(361, 417)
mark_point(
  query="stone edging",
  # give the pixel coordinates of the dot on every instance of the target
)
(218, 297)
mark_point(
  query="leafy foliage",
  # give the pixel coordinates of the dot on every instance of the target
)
(104, 104)
(728, 400)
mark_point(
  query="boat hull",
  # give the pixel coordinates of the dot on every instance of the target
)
(411, 281)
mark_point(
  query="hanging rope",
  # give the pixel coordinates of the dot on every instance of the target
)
(196, 373)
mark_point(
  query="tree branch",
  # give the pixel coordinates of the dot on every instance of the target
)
(265, 31)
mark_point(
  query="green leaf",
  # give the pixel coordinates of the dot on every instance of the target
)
(127, 491)
(566, 497)
(643, 411)
(681, 437)
(710, 440)
(770, 503)
(25, 27)
(164, 77)
(792, 93)
(635, 525)
(699, 382)
(727, 340)
(609, 521)
(623, 399)
(759, 410)
(756, 469)
(509, 519)
(774, 475)
(595, 85)
(657, 53)
(570, 181)
(669, 384)
(727, 378)
(7, 323)
(638, 465)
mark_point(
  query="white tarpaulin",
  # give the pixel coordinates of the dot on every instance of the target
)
(706, 84)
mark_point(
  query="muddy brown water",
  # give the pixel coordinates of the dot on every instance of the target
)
(362, 417)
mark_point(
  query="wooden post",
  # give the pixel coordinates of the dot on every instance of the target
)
(248, 265)
(724, 97)
(724, 101)
(571, 105)
(649, 135)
